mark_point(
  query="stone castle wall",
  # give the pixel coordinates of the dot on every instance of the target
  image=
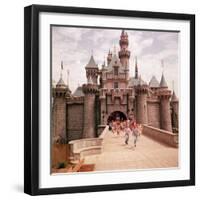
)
(59, 118)
(74, 121)
(153, 113)
(89, 116)
(141, 109)
(165, 121)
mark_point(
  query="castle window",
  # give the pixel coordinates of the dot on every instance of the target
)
(115, 85)
(116, 71)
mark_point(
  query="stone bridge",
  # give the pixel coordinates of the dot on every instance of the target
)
(149, 153)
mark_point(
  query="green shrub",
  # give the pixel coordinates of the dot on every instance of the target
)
(61, 165)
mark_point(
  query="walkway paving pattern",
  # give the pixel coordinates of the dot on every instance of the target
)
(148, 154)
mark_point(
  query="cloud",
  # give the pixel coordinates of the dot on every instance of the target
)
(75, 45)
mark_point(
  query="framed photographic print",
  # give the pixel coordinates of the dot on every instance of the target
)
(109, 99)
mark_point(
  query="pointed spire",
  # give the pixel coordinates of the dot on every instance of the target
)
(163, 83)
(104, 62)
(61, 66)
(68, 77)
(91, 63)
(153, 82)
(162, 65)
(61, 83)
(114, 50)
(109, 57)
(174, 97)
(110, 52)
(136, 68)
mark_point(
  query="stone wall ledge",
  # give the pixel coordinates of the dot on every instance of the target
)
(153, 101)
(84, 147)
(162, 136)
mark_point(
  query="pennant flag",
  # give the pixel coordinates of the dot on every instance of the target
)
(62, 65)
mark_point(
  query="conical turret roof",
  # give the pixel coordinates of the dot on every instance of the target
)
(78, 92)
(174, 97)
(163, 82)
(61, 83)
(91, 63)
(153, 82)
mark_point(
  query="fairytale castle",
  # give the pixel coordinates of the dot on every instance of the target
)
(110, 93)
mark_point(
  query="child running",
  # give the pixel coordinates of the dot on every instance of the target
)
(127, 131)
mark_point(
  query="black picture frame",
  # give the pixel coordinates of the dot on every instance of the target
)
(31, 98)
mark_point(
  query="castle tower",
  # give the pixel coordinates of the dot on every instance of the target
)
(174, 105)
(124, 53)
(92, 70)
(164, 95)
(60, 92)
(109, 57)
(165, 115)
(141, 103)
(90, 91)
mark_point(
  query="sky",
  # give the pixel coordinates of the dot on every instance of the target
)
(74, 47)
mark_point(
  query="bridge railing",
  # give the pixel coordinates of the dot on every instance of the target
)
(88, 146)
(165, 137)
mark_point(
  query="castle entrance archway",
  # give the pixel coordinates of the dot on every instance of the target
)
(116, 115)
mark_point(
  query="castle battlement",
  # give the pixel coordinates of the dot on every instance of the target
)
(164, 93)
(90, 88)
(74, 100)
(142, 89)
(124, 53)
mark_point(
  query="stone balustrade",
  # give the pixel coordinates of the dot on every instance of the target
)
(160, 135)
(83, 147)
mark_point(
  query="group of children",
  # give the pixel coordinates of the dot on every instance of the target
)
(129, 127)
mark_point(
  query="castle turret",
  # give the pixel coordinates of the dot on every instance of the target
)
(141, 103)
(174, 106)
(92, 70)
(60, 92)
(165, 115)
(109, 57)
(124, 53)
(90, 91)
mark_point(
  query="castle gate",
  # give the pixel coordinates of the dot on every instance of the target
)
(116, 115)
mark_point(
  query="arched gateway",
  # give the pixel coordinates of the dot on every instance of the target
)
(116, 115)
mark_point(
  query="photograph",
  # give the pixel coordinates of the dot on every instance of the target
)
(114, 99)
(109, 99)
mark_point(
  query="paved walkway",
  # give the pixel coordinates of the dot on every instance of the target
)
(148, 154)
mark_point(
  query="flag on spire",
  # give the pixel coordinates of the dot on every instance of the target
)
(62, 65)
